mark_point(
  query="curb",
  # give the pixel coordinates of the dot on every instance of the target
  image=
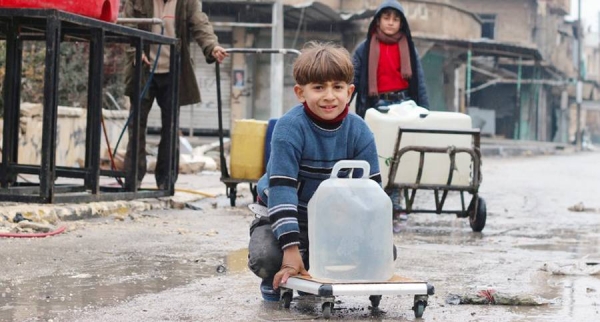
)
(56, 213)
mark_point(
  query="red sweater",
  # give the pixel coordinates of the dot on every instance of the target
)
(389, 78)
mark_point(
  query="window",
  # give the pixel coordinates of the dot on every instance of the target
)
(488, 25)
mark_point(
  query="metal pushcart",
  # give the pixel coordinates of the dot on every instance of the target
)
(476, 210)
(326, 291)
(231, 183)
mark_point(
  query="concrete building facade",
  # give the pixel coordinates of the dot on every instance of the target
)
(590, 114)
(513, 59)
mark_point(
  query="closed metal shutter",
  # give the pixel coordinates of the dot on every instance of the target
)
(202, 118)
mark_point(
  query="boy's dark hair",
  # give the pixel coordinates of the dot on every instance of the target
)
(389, 10)
(323, 62)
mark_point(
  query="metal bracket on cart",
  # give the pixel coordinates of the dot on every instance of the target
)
(476, 211)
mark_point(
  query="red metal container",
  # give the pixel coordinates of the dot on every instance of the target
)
(107, 10)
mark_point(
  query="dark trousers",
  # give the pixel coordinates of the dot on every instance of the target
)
(160, 88)
(265, 255)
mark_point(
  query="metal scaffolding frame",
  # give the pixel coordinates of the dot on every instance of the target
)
(54, 27)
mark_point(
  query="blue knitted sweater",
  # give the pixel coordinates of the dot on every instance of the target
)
(303, 152)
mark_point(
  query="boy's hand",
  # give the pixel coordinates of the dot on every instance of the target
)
(291, 265)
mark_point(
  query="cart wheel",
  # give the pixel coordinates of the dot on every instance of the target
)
(477, 218)
(375, 300)
(254, 191)
(419, 308)
(232, 195)
(287, 299)
(327, 306)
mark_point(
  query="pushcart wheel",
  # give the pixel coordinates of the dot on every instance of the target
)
(419, 308)
(375, 300)
(287, 299)
(327, 306)
(477, 217)
(254, 191)
(232, 195)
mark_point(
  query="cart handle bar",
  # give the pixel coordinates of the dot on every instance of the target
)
(141, 21)
(263, 51)
(439, 131)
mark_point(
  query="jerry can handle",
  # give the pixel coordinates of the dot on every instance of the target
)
(352, 164)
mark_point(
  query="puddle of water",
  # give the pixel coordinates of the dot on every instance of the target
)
(237, 261)
(97, 285)
(582, 248)
(439, 235)
(107, 282)
(576, 298)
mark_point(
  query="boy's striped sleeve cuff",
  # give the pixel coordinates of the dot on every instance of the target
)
(289, 239)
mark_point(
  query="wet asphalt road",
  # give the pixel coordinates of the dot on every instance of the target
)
(189, 265)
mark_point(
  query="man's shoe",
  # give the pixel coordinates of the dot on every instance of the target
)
(268, 293)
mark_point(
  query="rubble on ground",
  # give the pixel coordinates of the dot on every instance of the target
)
(493, 297)
(580, 207)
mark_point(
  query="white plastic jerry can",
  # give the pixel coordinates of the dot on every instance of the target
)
(436, 166)
(350, 227)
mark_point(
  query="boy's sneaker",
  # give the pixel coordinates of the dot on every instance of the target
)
(400, 215)
(398, 226)
(399, 221)
(267, 291)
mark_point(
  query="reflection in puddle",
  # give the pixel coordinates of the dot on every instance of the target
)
(101, 284)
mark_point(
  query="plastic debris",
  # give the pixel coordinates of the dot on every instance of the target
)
(221, 269)
(580, 207)
(194, 206)
(573, 268)
(19, 217)
(493, 297)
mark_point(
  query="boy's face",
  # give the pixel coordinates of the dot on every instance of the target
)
(327, 100)
(390, 23)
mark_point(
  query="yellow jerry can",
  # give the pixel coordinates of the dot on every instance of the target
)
(248, 149)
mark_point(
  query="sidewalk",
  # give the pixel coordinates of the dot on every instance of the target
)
(191, 190)
(497, 147)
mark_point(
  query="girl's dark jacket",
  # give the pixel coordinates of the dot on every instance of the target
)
(416, 85)
(190, 24)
